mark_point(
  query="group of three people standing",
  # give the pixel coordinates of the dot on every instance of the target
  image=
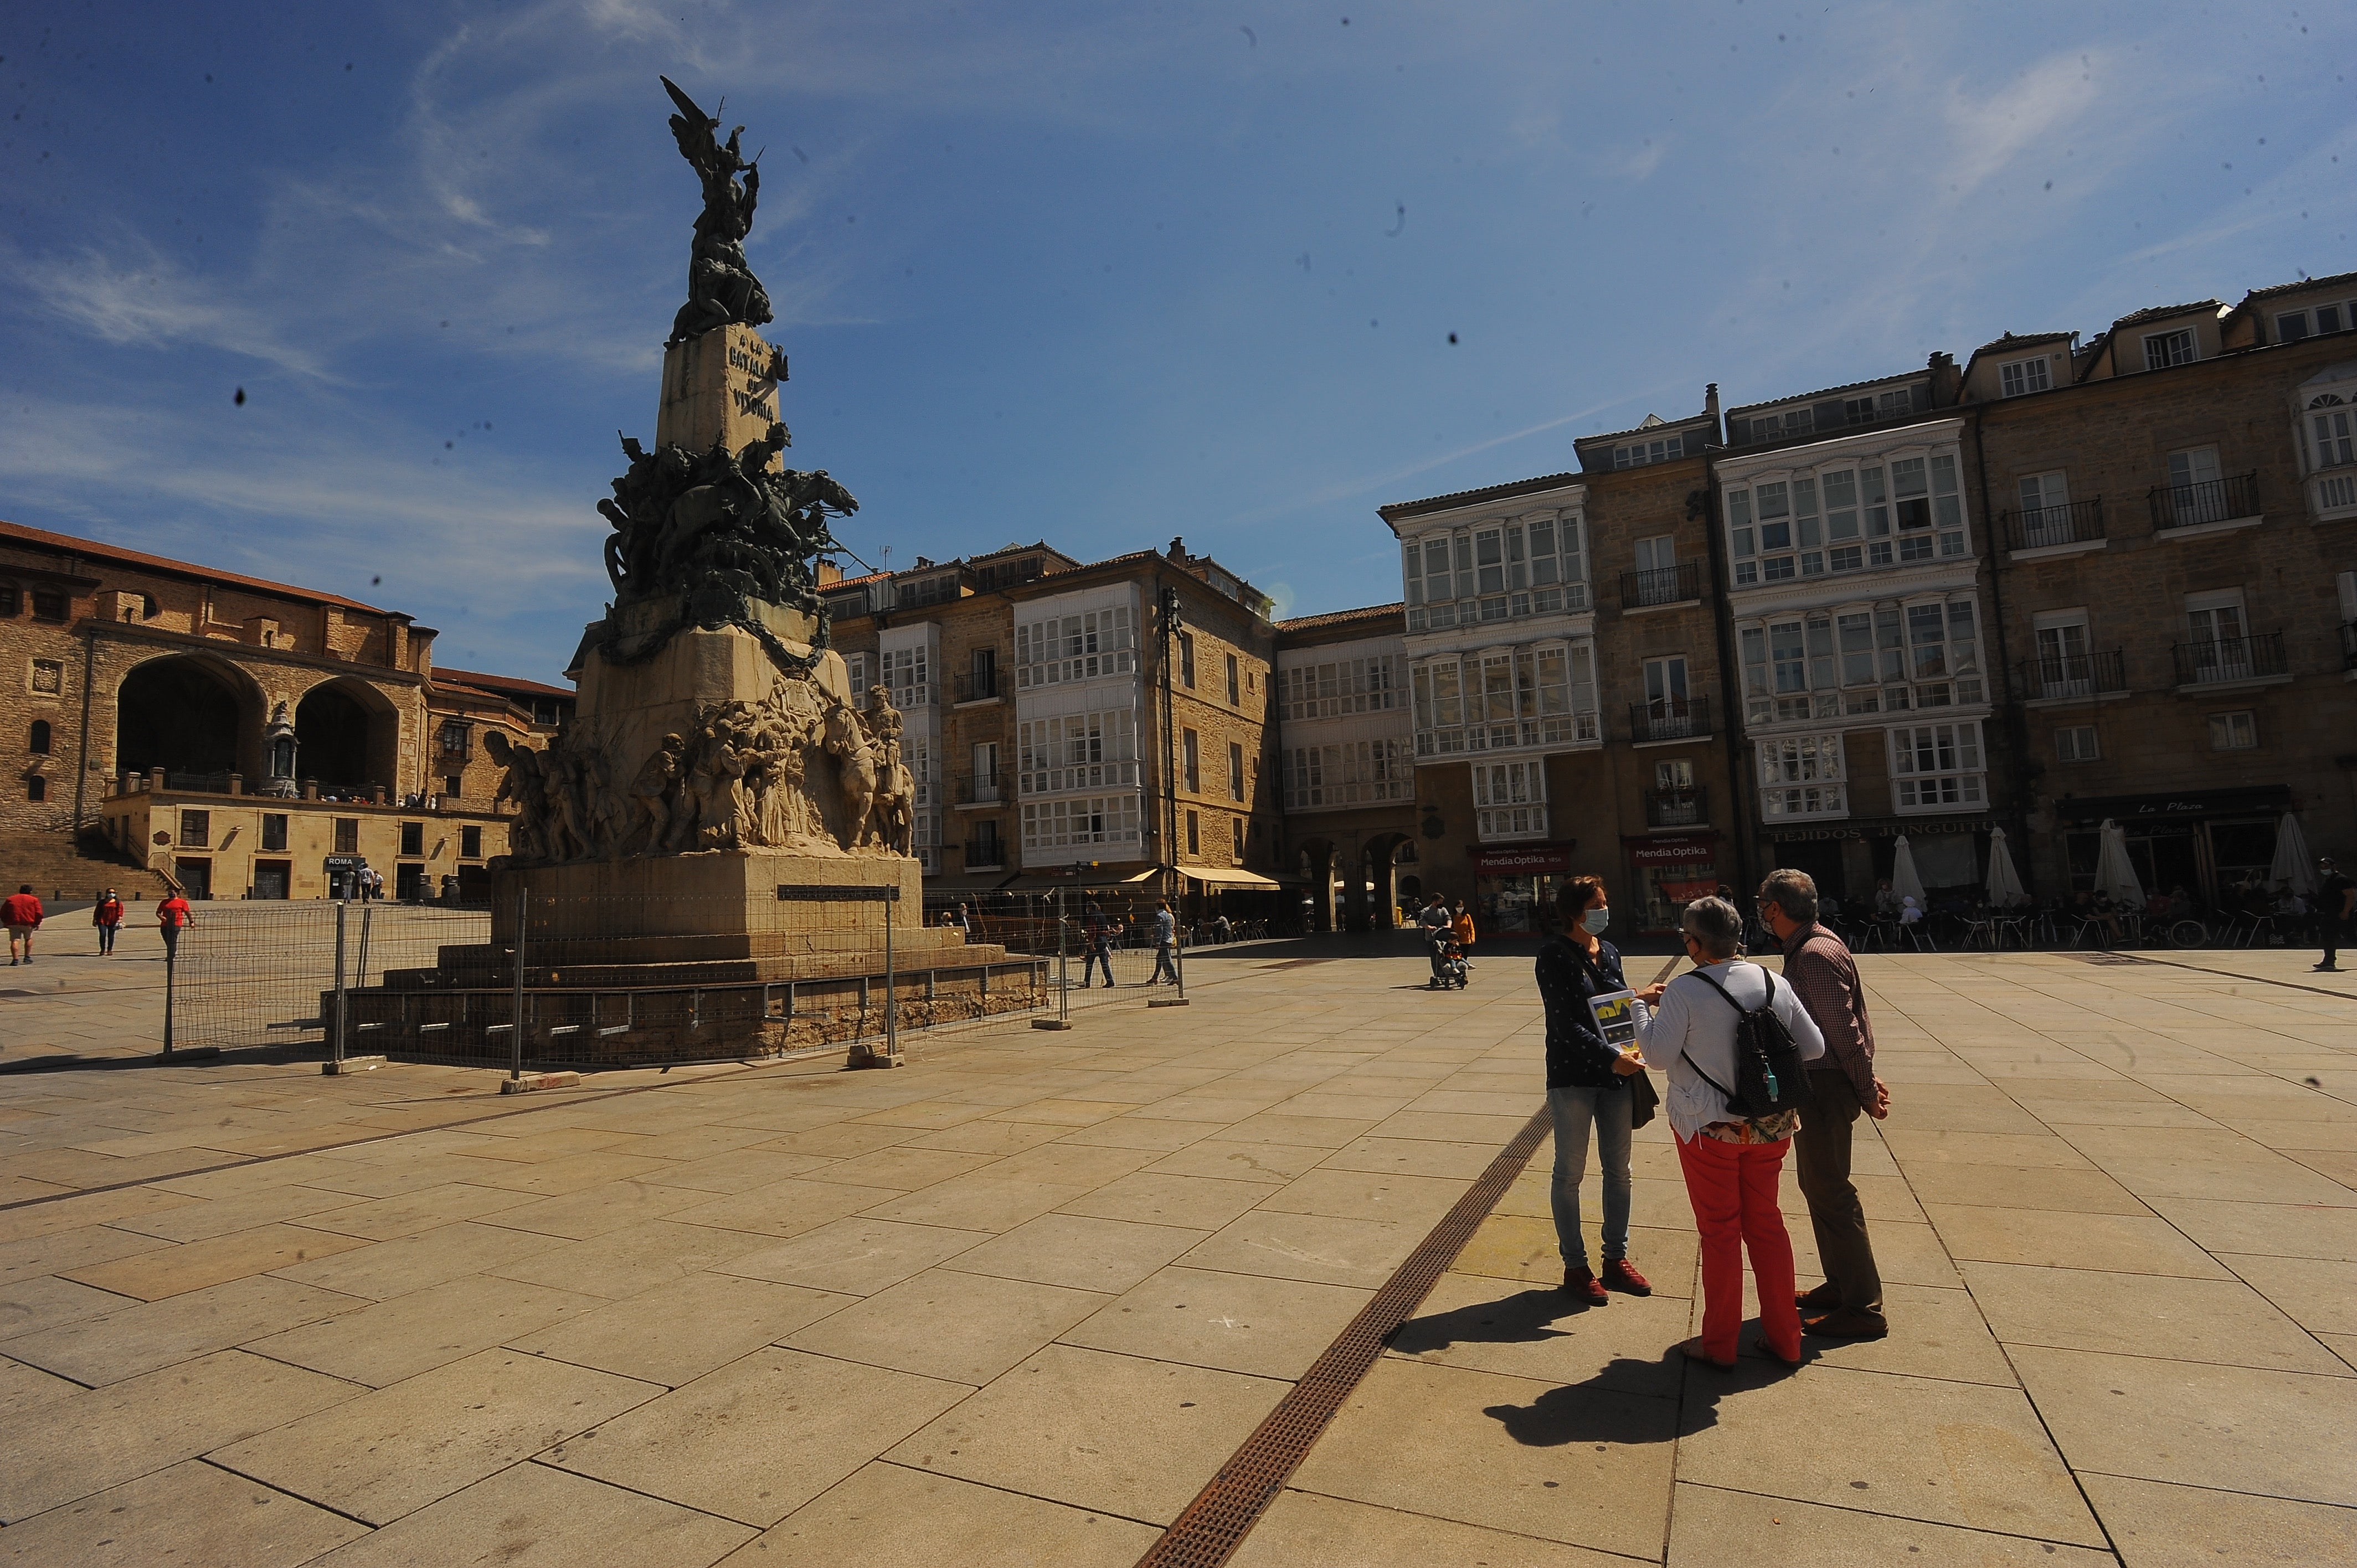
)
(1731, 1163)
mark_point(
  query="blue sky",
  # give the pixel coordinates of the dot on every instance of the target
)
(1100, 274)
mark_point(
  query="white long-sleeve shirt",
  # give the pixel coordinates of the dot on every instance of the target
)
(1692, 1026)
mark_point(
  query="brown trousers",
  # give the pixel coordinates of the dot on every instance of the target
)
(1821, 1151)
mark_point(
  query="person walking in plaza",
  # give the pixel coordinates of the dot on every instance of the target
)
(1434, 924)
(2336, 903)
(1166, 943)
(1097, 938)
(1822, 972)
(1732, 1162)
(171, 915)
(107, 916)
(1588, 1090)
(21, 913)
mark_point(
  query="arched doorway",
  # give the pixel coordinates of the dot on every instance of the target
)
(1317, 861)
(1383, 861)
(187, 716)
(345, 737)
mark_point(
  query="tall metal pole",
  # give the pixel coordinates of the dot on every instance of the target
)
(336, 1046)
(1063, 972)
(515, 1030)
(892, 990)
(171, 955)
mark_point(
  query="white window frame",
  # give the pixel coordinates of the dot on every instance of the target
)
(1901, 507)
(1343, 687)
(2018, 378)
(1936, 767)
(2326, 432)
(1348, 773)
(2063, 671)
(2078, 743)
(1802, 778)
(1067, 752)
(1077, 645)
(1798, 666)
(1509, 800)
(2234, 731)
(2160, 349)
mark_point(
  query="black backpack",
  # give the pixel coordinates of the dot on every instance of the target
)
(1768, 1077)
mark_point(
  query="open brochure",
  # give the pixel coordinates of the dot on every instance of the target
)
(1616, 1015)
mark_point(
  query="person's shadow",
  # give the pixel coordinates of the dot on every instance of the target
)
(1604, 1406)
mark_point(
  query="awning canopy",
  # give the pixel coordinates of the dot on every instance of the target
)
(1211, 877)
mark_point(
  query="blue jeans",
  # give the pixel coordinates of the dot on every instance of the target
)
(1576, 1111)
(1098, 954)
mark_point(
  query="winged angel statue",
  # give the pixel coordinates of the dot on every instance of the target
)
(721, 287)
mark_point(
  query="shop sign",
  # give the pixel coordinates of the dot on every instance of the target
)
(1691, 850)
(1531, 860)
(1911, 827)
(2192, 803)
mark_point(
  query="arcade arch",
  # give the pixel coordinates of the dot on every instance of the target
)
(347, 736)
(189, 715)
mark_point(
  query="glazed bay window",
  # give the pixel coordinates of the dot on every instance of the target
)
(1081, 646)
(1078, 751)
(1348, 773)
(908, 674)
(1864, 659)
(1504, 698)
(1801, 775)
(1847, 519)
(1494, 572)
(1937, 767)
(1066, 825)
(2328, 451)
(1346, 686)
(1509, 800)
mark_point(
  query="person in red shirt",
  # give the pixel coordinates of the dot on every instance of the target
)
(107, 916)
(171, 916)
(21, 913)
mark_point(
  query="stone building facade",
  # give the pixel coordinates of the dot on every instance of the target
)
(2180, 575)
(2068, 582)
(1564, 680)
(141, 689)
(1033, 687)
(1346, 764)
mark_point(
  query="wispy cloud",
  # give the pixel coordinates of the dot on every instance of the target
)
(137, 297)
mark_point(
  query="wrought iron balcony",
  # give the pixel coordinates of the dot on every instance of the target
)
(986, 855)
(981, 788)
(1669, 718)
(2228, 660)
(2213, 501)
(2074, 675)
(1661, 586)
(981, 686)
(1686, 808)
(2045, 527)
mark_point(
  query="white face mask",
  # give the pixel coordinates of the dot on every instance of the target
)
(1598, 921)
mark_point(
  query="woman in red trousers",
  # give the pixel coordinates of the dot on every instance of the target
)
(1732, 1163)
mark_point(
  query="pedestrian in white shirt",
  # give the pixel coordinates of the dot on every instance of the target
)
(1732, 1162)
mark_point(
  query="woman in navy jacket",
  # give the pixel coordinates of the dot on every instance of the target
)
(1587, 1088)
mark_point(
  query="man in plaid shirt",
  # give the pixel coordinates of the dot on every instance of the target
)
(1819, 968)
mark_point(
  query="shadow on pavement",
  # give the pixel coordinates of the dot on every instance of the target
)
(1526, 1318)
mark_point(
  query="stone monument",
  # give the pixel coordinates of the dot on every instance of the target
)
(722, 811)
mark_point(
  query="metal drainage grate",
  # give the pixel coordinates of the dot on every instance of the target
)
(1224, 1511)
(2106, 958)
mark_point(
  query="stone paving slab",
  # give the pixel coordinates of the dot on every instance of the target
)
(1018, 1301)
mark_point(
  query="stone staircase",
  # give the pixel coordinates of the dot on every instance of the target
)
(64, 869)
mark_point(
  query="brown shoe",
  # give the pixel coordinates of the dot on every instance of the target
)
(1584, 1287)
(1619, 1273)
(1761, 1346)
(1824, 1298)
(1844, 1324)
(1692, 1351)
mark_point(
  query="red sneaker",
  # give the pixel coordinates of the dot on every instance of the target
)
(1584, 1287)
(1620, 1274)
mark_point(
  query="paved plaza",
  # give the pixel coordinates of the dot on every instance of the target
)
(1019, 1302)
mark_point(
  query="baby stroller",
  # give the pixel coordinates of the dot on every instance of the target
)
(1454, 970)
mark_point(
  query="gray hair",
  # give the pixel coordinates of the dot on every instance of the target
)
(1714, 926)
(1795, 892)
